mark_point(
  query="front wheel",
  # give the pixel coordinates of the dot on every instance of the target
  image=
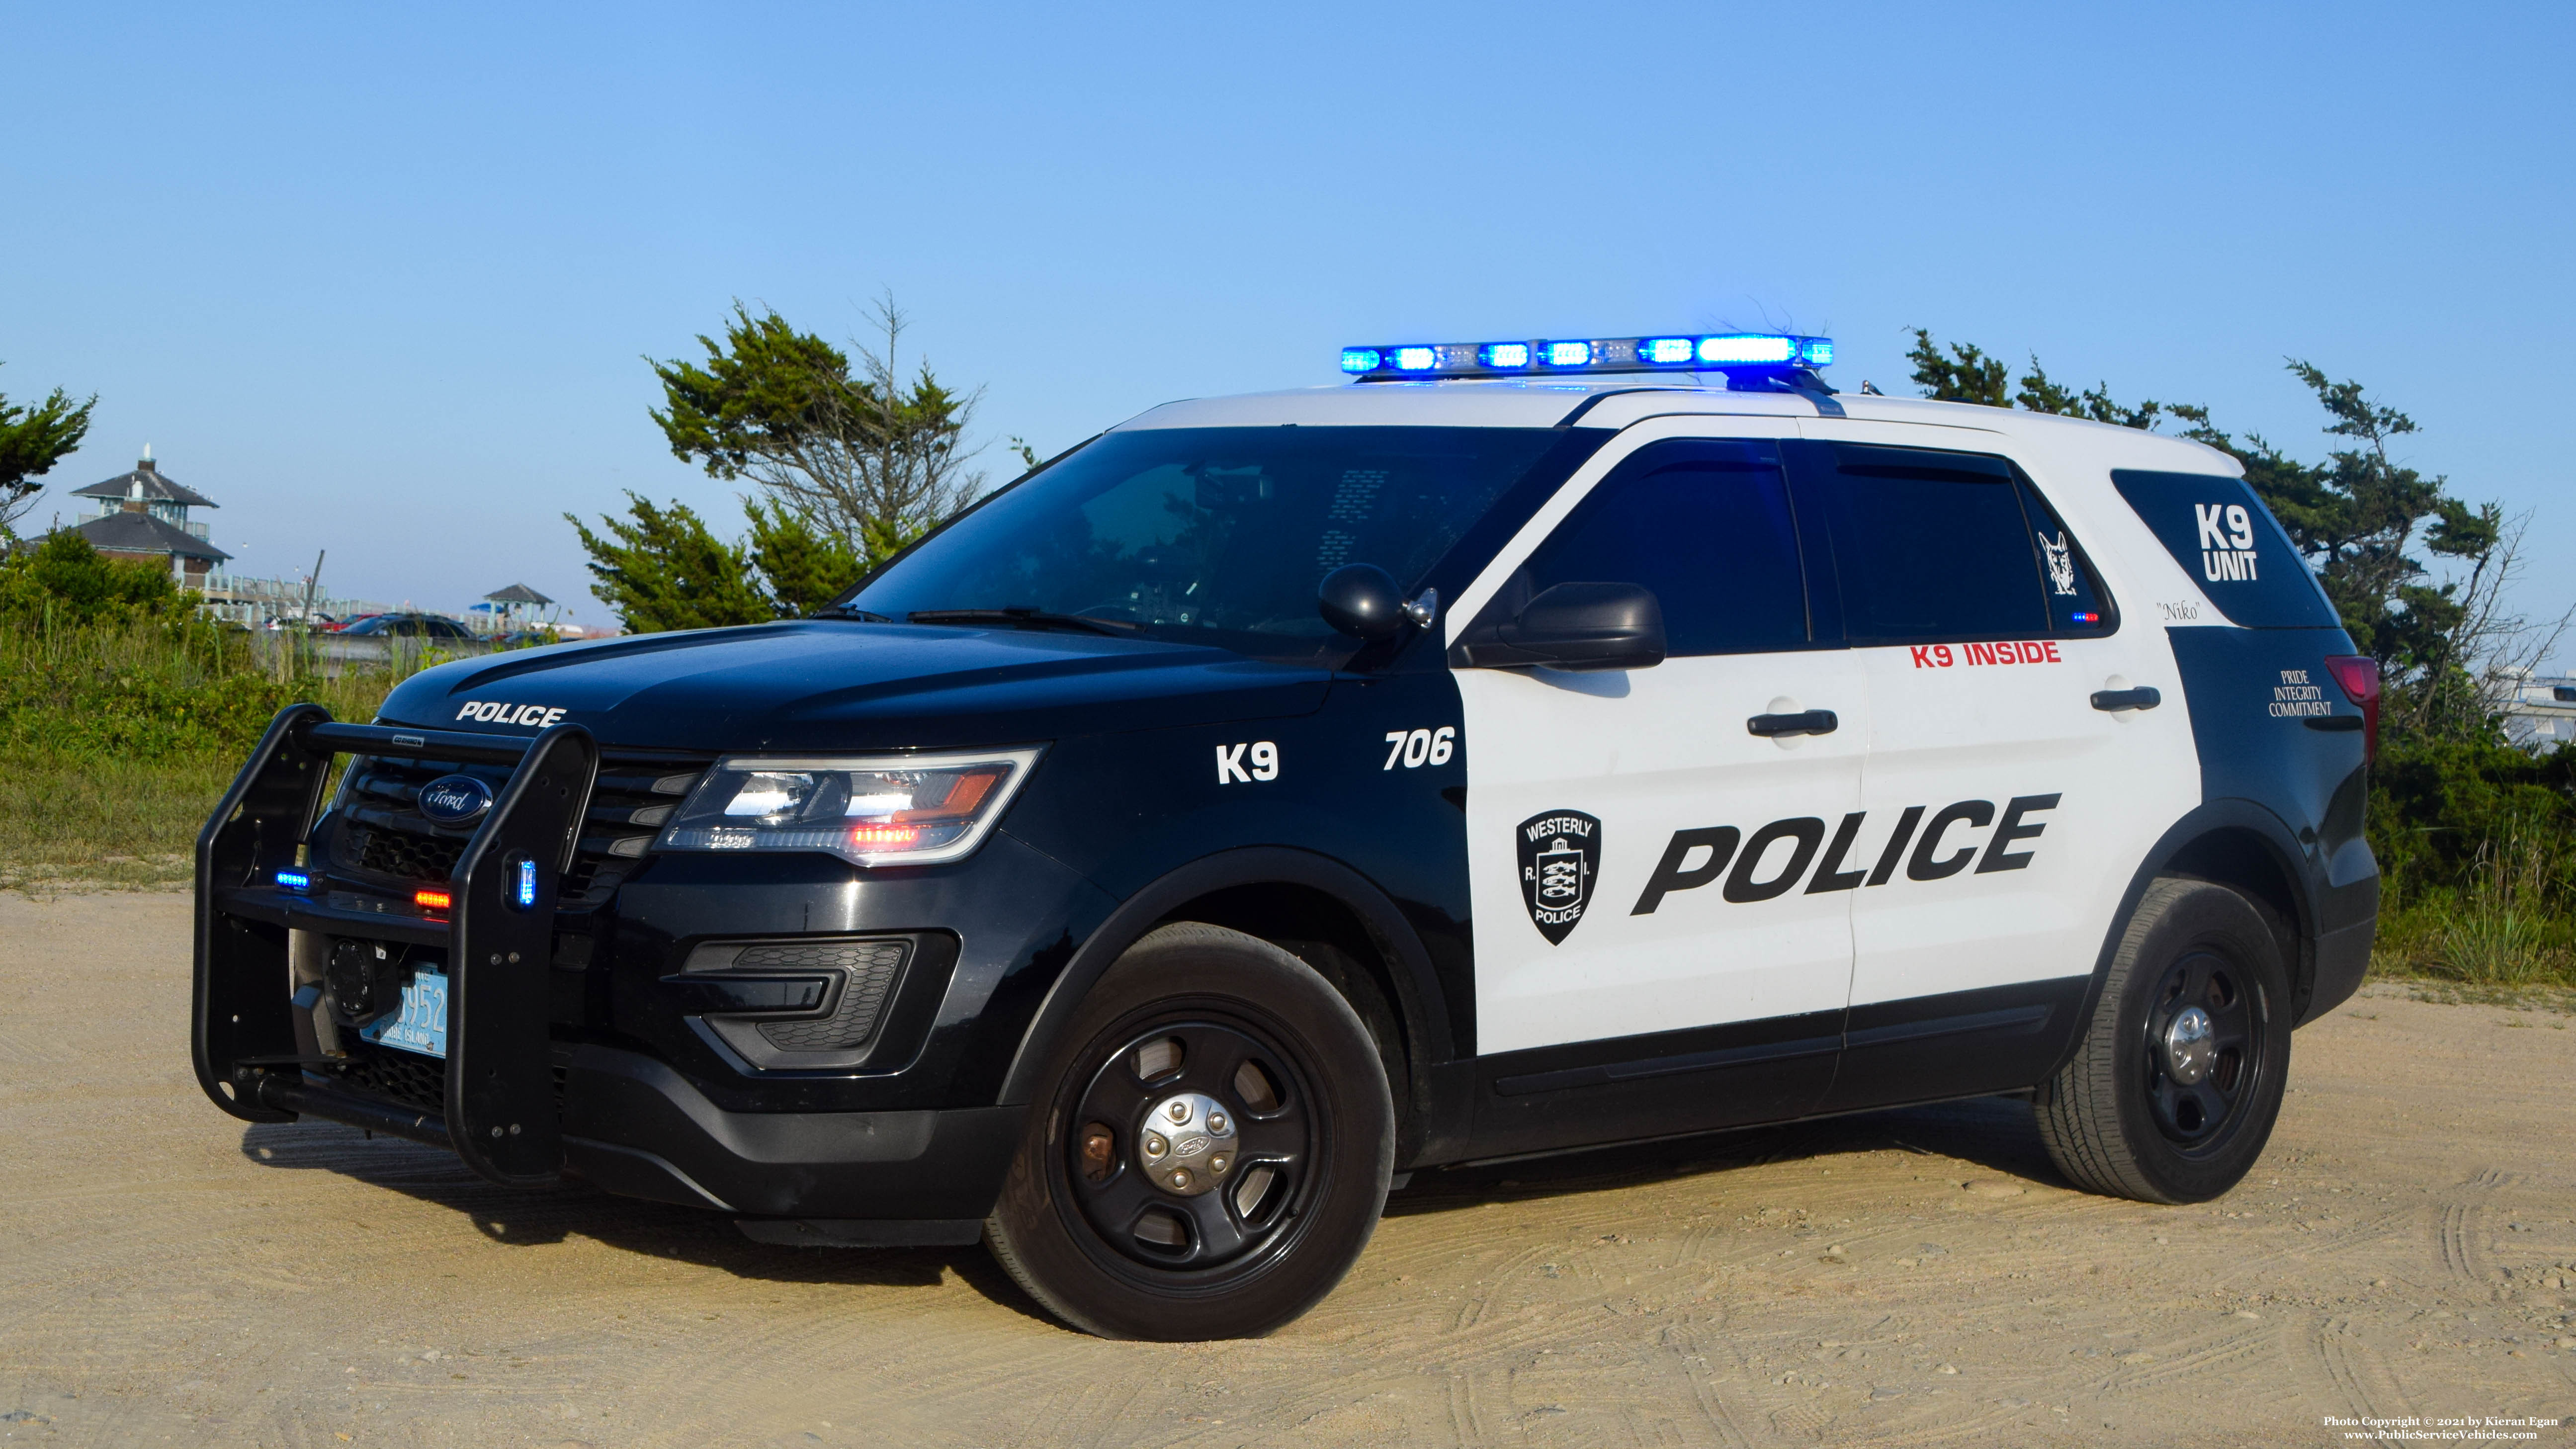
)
(2173, 1092)
(1210, 1149)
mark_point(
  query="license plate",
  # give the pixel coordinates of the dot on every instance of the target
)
(421, 1025)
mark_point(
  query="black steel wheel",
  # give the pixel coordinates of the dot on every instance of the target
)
(1195, 1143)
(1212, 1151)
(2203, 1053)
(2173, 1091)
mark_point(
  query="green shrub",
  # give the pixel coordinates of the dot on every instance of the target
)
(62, 580)
(2477, 851)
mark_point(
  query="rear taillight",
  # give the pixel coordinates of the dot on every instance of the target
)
(2359, 676)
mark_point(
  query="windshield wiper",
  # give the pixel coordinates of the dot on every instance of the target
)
(840, 611)
(1024, 619)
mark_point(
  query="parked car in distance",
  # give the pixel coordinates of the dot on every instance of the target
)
(408, 626)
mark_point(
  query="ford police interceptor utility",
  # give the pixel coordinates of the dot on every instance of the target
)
(1524, 747)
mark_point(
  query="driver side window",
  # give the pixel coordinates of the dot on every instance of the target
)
(1706, 527)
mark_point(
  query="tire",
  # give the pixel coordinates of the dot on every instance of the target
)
(2159, 1108)
(1125, 1232)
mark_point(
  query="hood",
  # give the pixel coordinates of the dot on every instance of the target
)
(833, 684)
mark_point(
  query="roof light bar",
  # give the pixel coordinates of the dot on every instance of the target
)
(1752, 361)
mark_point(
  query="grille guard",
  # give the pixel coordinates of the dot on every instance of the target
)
(501, 1115)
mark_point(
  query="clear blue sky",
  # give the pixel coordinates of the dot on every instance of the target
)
(381, 279)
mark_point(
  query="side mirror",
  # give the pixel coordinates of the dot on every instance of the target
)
(1361, 600)
(1572, 626)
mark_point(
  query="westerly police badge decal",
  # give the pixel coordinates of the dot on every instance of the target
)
(1560, 858)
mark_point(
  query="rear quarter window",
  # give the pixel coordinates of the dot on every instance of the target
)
(2230, 544)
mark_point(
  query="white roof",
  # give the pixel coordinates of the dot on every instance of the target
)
(1614, 400)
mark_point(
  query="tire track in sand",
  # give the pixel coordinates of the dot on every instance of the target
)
(2456, 1240)
(2360, 1376)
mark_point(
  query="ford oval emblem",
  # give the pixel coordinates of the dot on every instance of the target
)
(455, 799)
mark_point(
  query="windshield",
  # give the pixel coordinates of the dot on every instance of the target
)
(1213, 535)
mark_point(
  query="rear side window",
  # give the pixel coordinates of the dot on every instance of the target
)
(1931, 545)
(2229, 543)
(2077, 602)
(1706, 527)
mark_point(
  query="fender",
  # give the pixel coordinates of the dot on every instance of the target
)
(2206, 819)
(1417, 988)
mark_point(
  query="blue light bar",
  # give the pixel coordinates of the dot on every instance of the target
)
(294, 880)
(523, 889)
(1750, 361)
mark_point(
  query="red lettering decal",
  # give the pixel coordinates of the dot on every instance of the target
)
(2025, 653)
(1922, 657)
(2051, 647)
(1942, 653)
(1981, 654)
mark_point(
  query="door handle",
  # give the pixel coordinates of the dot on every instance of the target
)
(1804, 722)
(2114, 700)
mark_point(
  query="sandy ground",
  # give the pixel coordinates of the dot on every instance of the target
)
(1917, 1277)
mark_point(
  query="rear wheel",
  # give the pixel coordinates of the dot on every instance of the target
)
(2172, 1095)
(1210, 1150)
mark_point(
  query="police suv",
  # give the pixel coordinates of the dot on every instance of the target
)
(1524, 747)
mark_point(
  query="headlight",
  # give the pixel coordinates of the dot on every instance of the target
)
(873, 810)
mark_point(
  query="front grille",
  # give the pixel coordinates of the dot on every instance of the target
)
(384, 835)
(412, 857)
(411, 1080)
(414, 1081)
(872, 967)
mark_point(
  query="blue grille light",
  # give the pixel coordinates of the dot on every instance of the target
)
(1569, 354)
(294, 880)
(1664, 350)
(1505, 354)
(523, 890)
(1415, 359)
(1360, 359)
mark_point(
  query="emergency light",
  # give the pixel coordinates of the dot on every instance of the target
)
(294, 880)
(1752, 361)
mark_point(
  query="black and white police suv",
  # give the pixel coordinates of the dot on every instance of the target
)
(1524, 747)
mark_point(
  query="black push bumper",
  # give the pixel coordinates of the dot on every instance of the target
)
(497, 937)
(521, 1108)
